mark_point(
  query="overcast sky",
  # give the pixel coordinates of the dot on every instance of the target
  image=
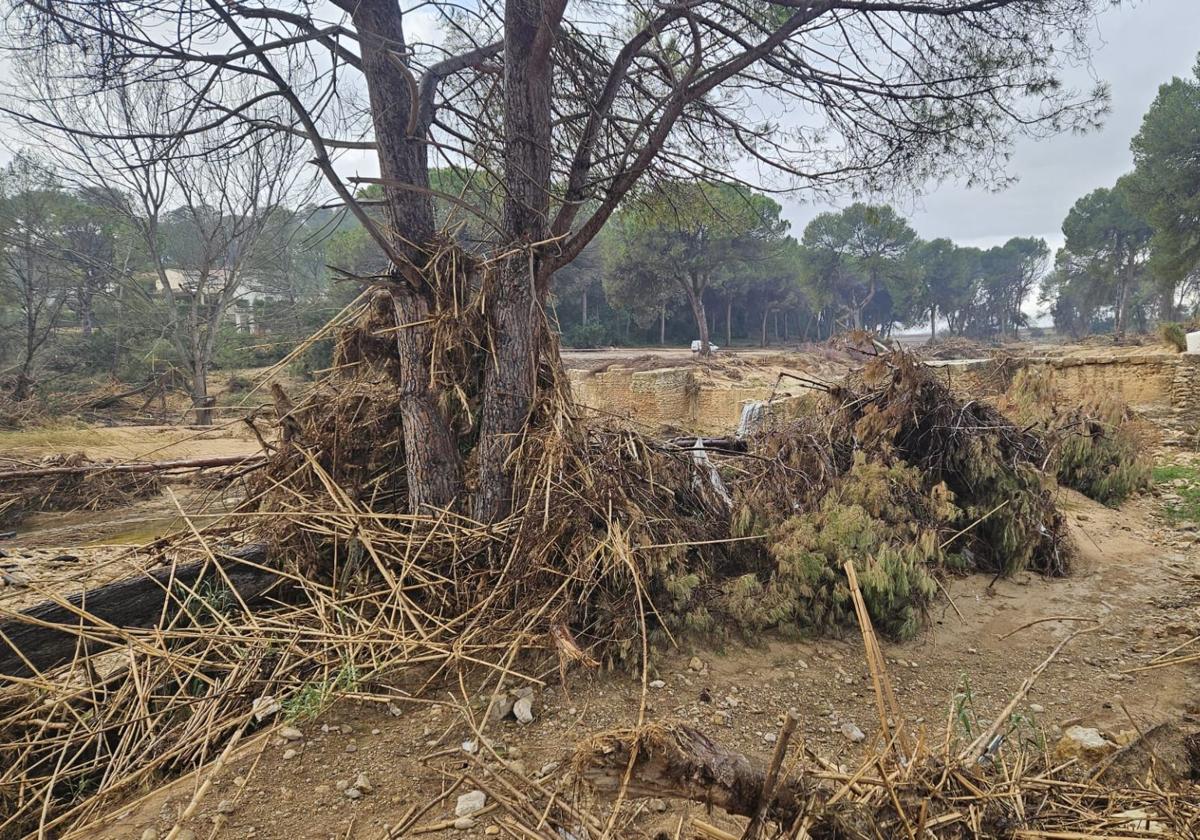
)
(1138, 46)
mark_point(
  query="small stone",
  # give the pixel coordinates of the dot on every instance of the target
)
(265, 706)
(523, 691)
(351, 748)
(657, 805)
(185, 834)
(1084, 743)
(770, 737)
(548, 768)
(1037, 708)
(852, 732)
(149, 834)
(352, 793)
(240, 781)
(657, 684)
(523, 710)
(341, 785)
(288, 755)
(394, 710)
(225, 806)
(362, 783)
(470, 803)
(492, 830)
(697, 664)
(464, 823)
(347, 729)
(376, 731)
(801, 664)
(720, 718)
(290, 733)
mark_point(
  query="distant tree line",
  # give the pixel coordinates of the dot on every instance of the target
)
(713, 261)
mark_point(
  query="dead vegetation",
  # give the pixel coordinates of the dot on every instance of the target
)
(616, 541)
(70, 482)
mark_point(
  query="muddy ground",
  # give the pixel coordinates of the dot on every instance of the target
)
(1136, 579)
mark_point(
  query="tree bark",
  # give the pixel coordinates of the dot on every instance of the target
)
(431, 456)
(49, 634)
(729, 321)
(662, 325)
(933, 322)
(520, 283)
(762, 341)
(584, 306)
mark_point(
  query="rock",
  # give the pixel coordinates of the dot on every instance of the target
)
(720, 719)
(394, 710)
(225, 806)
(523, 691)
(697, 664)
(341, 785)
(290, 733)
(500, 708)
(185, 834)
(363, 784)
(470, 803)
(149, 834)
(492, 830)
(852, 733)
(801, 664)
(657, 805)
(464, 823)
(770, 737)
(548, 768)
(352, 793)
(657, 684)
(288, 755)
(1037, 708)
(351, 748)
(1083, 743)
(523, 710)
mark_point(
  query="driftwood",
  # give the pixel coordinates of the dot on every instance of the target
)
(130, 467)
(680, 762)
(52, 633)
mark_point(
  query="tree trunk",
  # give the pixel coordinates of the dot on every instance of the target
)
(696, 300)
(1122, 301)
(49, 634)
(433, 470)
(662, 325)
(762, 340)
(511, 378)
(933, 322)
(729, 321)
(583, 305)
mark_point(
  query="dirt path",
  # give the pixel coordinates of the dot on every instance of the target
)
(1129, 576)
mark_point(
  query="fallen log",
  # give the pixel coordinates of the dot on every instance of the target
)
(680, 762)
(51, 634)
(130, 467)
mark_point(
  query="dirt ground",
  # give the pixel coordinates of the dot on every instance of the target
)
(1136, 581)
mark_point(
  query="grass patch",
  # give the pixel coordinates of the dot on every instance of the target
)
(1183, 481)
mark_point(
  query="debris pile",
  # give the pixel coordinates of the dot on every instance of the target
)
(616, 540)
(66, 482)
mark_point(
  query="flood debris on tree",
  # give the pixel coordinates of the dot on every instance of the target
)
(616, 540)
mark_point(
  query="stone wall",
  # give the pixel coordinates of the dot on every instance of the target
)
(1165, 386)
